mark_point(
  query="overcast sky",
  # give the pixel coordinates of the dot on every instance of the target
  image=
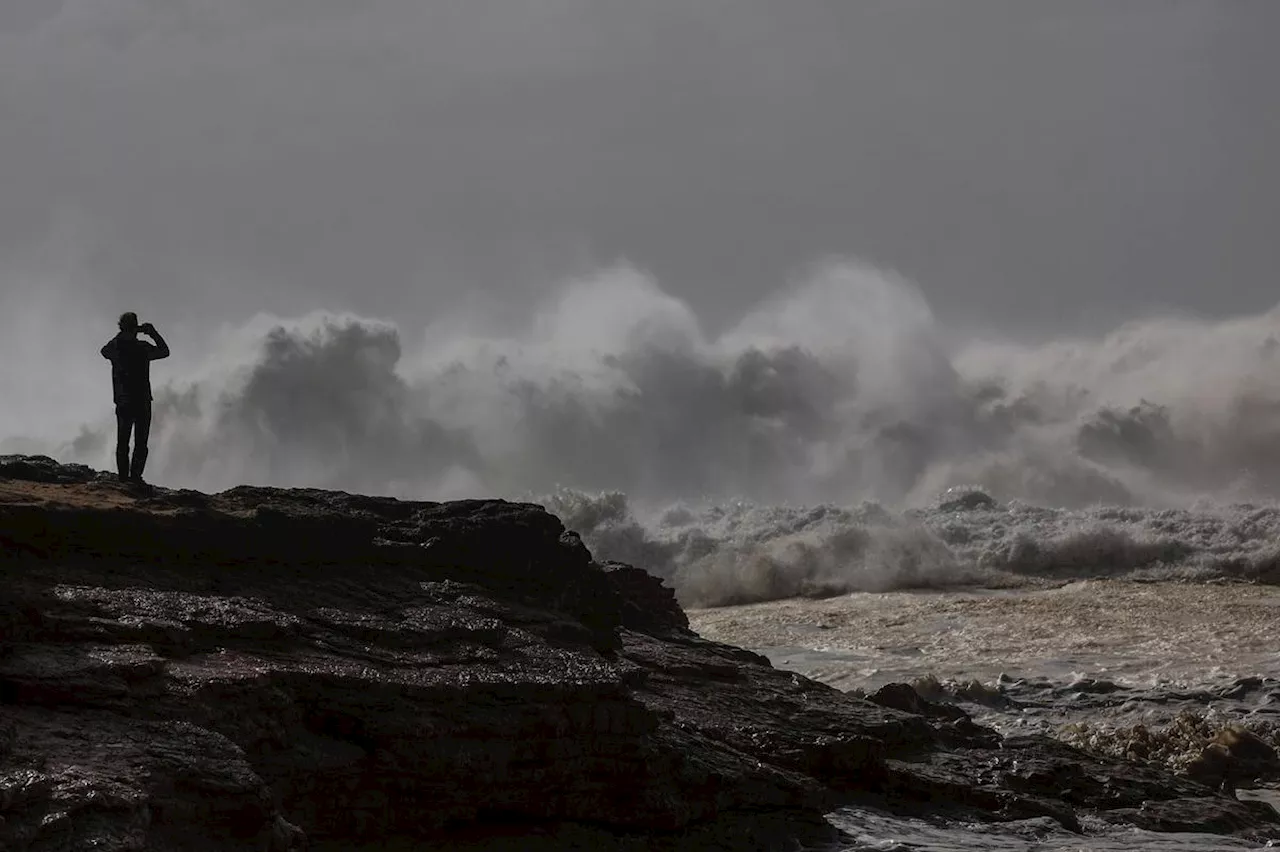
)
(1048, 164)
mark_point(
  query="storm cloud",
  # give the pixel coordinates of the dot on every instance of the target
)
(1030, 165)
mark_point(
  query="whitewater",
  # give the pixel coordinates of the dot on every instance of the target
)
(1078, 535)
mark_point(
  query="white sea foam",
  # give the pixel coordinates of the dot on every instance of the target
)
(800, 451)
(740, 553)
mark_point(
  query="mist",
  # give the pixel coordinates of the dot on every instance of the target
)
(842, 387)
(636, 259)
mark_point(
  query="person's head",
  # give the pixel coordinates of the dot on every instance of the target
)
(129, 322)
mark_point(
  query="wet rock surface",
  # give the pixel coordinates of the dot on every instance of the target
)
(276, 670)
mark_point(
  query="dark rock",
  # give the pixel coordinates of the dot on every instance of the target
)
(952, 726)
(648, 605)
(84, 779)
(1233, 757)
(1210, 815)
(902, 696)
(45, 469)
(252, 668)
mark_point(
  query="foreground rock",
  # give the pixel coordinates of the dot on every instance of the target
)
(271, 670)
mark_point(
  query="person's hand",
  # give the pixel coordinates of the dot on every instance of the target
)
(147, 328)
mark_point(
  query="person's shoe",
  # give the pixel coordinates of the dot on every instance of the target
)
(139, 464)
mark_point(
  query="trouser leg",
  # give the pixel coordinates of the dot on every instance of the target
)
(141, 434)
(124, 425)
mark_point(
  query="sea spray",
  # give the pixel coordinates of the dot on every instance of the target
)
(725, 554)
(840, 389)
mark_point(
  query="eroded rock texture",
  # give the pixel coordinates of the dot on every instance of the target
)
(276, 670)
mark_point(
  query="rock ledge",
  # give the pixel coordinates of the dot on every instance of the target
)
(268, 669)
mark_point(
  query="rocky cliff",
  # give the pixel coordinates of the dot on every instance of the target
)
(271, 669)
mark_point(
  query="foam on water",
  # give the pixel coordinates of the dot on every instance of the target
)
(1145, 671)
(1140, 635)
(742, 552)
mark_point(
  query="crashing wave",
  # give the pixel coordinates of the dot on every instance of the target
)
(742, 553)
(844, 388)
(842, 395)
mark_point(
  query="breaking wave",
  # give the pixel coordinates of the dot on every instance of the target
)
(843, 394)
(744, 553)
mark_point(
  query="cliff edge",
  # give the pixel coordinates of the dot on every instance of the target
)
(269, 669)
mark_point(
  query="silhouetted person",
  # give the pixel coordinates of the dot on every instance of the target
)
(131, 386)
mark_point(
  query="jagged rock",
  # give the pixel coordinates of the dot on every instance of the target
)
(1199, 814)
(262, 668)
(647, 603)
(89, 779)
(45, 469)
(902, 696)
(952, 725)
(1233, 757)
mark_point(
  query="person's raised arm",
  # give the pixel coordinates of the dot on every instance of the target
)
(161, 349)
(109, 351)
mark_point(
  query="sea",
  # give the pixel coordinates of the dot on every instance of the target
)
(1129, 632)
(1116, 666)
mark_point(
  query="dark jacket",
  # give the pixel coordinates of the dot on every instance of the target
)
(131, 366)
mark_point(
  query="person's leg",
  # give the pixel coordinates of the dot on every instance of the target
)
(124, 425)
(141, 434)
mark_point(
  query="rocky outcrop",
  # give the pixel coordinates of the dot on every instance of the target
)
(1234, 756)
(270, 669)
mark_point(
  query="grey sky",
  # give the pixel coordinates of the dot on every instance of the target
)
(1030, 163)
